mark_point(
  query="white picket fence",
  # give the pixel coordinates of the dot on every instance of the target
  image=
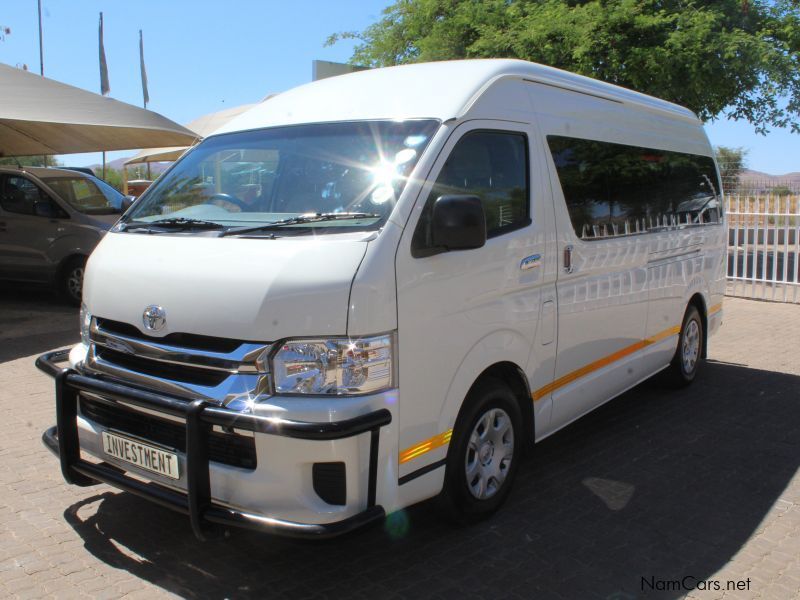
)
(764, 247)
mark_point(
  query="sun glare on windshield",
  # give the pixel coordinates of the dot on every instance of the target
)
(271, 175)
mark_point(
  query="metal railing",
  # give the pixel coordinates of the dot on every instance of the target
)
(764, 246)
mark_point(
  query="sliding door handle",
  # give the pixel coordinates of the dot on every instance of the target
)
(568, 267)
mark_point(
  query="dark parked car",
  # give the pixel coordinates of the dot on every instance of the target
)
(50, 221)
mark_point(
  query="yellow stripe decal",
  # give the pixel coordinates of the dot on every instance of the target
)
(417, 450)
(662, 335)
(603, 362)
(443, 439)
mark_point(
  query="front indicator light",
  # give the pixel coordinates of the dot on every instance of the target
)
(86, 322)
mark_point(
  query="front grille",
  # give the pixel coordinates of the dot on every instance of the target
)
(225, 448)
(163, 370)
(185, 340)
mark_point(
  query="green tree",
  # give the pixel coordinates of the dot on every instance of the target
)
(731, 161)
(738, 58)
(139, 171)
(113, 177)
(780, 190)
(30, 161)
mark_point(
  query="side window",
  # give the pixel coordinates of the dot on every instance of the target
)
(19, 195)
(614, 189)
(492, 165)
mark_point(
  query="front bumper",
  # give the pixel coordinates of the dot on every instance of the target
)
(200, 417)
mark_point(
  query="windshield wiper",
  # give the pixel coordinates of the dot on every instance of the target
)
(299, 220)
(174, 223)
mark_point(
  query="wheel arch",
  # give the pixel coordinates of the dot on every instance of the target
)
(514, 376)
(59, 272)
(499, 356)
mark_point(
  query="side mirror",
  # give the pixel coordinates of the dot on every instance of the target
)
(458, 223)
(46, 208)
(127, 202)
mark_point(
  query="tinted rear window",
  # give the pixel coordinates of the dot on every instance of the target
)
(615, 189)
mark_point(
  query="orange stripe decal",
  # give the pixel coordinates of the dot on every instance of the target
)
(417, 450)
(663, 335)
(443, 439)
(603, 362)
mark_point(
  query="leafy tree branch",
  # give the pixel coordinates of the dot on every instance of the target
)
(733, 58)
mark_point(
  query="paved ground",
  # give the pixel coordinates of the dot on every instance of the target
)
(653, 488)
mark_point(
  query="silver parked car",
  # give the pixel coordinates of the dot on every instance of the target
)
(50, 221)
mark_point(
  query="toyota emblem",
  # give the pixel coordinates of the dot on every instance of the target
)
(154, 318)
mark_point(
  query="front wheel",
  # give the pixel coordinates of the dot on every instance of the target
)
(686, 363)
(70, 282)
(484, 453)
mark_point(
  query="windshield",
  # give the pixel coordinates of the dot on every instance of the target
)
(115, 198)
(85, 195)
(290, 177)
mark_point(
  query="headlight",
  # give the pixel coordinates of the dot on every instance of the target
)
(339, 366)
(86, 321)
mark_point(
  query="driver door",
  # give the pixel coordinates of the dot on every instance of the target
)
(25, 237)
(459, 310)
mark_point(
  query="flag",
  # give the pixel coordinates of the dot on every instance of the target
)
(144, 72)
(104, 87)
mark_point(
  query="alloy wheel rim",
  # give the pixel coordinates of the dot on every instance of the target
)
(490, 451)
(691, 346)
(75, 282)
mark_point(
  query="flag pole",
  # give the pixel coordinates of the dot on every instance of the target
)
(145, 93)
(104, 86)
(41, 57)
(41, 45)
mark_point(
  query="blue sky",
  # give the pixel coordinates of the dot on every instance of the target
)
(206, 55)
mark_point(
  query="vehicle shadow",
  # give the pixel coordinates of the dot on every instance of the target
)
(34, 320)
(656, 483)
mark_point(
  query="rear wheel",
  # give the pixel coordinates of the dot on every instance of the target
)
(484, 453)
(70, 281)
(686, 363)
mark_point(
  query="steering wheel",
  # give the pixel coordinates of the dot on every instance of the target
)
(227, 198)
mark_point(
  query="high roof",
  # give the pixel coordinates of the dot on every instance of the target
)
(441, 90)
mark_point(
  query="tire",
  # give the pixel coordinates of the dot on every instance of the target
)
(688, 357)
(478, 477)
(70, 280)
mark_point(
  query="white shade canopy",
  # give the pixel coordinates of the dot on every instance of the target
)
(43, 116)
(150, 155)
(203, 126)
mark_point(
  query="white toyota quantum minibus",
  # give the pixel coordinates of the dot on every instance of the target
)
(386, 286)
